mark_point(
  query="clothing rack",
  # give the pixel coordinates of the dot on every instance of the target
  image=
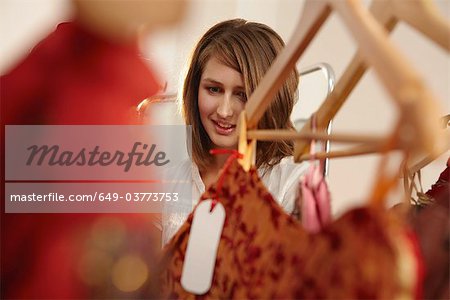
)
(418, 106)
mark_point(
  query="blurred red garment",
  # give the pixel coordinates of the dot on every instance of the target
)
(76, 77)
(71, 77)
(440, 189)
(432, 226)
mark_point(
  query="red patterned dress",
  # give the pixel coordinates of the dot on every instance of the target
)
(264, 253)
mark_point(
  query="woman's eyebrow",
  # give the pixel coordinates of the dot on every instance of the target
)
(212, 81)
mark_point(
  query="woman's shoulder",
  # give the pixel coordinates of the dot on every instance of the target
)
(282, 180)
(287, 165)
(286, 172)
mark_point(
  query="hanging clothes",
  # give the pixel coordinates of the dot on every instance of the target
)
(313, 200)
(440, 189)
(72, 77)
(264, 253)
(432, 226)
(281, 181)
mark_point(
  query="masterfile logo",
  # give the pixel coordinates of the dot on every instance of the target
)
(140, 155)
(93, 152)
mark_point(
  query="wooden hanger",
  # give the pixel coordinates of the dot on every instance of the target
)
(313, 16)
(248, 150)
(422, 162)
(416, 129)
(427, 160)
(420, 14)
(370, 146)
(400, 79)
(363, 149)
(277, 135)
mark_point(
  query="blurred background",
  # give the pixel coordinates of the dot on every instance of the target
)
(368, 110)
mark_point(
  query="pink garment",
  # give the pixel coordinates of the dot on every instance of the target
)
(315, 200)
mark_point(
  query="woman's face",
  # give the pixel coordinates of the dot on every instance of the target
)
(221, 98)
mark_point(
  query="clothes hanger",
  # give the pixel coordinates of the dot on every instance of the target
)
(313, 16)
(354, 151)
(401, 81)
(415, 130)
(248, 150)
(374, 147)
(418, 106)
(412, 184)
(420, 14)
(423, 162)
(276, 135)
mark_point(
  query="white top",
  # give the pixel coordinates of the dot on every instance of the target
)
(281, 181)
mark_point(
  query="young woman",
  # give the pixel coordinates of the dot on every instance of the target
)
(227, 64)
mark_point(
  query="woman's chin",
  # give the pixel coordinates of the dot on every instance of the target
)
(223, 145)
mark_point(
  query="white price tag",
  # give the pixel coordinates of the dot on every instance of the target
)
(201, 252)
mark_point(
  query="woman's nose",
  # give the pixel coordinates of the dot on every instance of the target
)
(224, 109)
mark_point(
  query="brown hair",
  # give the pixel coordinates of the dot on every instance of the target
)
(249, 48)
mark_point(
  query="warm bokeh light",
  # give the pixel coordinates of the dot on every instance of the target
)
(129, 273)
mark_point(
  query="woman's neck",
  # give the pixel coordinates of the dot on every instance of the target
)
(211, 173)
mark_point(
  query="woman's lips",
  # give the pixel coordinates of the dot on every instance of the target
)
(224, 128)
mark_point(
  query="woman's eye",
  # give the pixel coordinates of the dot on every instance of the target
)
(213, 89)
(242, 95)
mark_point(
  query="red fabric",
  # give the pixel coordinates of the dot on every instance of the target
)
(71, 77)
(75, 77)
(441, 188)
(432, 227)
(265, 254)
